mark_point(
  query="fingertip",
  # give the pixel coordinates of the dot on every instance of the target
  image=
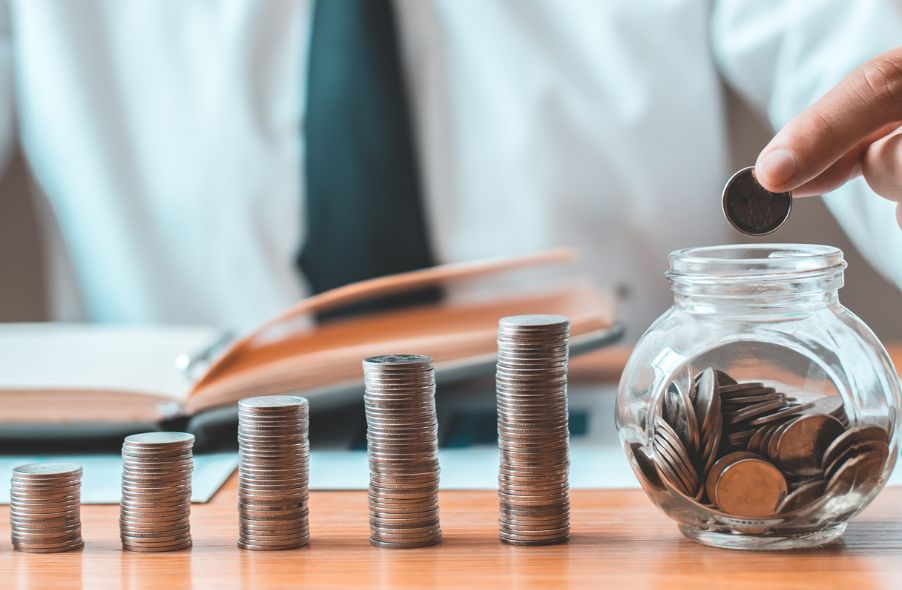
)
(775, 169)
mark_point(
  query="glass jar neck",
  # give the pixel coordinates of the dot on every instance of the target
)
(756, 277)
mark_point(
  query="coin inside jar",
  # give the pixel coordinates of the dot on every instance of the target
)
(851, 438)
(735, 496)
(861, 470)
(640, 456)
(752, 209)
(802, 444)
(802, 496)
(770, 453)
(718, 468)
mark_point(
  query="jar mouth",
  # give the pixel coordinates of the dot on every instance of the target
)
(760, 263)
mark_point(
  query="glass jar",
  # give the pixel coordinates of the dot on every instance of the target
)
(758, 412)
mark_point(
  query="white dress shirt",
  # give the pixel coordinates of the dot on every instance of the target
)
(166, 136)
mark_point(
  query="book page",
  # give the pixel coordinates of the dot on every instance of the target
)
(83, 357)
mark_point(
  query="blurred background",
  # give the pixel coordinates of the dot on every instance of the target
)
(23, 295)
(212, 163)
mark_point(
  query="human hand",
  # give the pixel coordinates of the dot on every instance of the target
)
(856, 128)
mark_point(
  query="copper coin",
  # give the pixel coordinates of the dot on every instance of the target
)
(771, 443)
(804, 495)
(862, 470)
(870, 447)
(678, 450)
(748, 413)
(712, 447)
(680, 415)
(750, 487)
(724, 379)
(831, 405)
(738, 388)
(665, 454)
(706, 402)
(756, 443)
(851, 437)
(718, 468)
(740, 436)
(802, 444)
(644, 465)
(781, 414)
(669, 477)
(735, 403)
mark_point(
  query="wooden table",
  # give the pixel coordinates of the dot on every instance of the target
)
(619, 541)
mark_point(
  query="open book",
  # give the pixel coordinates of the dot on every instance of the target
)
(78, 374)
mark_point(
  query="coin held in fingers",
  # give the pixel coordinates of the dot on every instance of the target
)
(751, 208)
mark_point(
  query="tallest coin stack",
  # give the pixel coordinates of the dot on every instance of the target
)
(533, 435)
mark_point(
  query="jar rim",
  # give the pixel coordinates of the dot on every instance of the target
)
(755, 262)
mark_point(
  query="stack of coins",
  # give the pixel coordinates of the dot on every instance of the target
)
(44, 508)
(402, 445)
(751, 451)
(273, 473)
(533, 435)
(156, 491)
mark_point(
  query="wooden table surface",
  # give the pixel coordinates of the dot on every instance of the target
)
(619, 541)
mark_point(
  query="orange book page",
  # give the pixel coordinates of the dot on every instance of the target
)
(332, 353)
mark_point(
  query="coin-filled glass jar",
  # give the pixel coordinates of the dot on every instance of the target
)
(758, 412)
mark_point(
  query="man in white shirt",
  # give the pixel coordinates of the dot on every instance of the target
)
(168, 136)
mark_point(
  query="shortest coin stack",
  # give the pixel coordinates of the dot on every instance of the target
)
(156, 491)
(273, 473)
(45, 507)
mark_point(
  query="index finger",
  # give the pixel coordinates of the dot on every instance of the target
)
(865, 101)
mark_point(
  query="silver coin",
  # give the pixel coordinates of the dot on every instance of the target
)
(160, 438)
(155, 503)
(272, 403)
(47, 471)
(45, 507)
(271, 547)
(24, 508)
(408, 545)
(48, 547)
(155, 548)
(73, 546)
(752, 209)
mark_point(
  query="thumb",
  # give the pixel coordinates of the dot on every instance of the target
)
(862, 104)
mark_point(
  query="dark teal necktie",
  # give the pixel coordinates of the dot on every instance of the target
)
(364, 208)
